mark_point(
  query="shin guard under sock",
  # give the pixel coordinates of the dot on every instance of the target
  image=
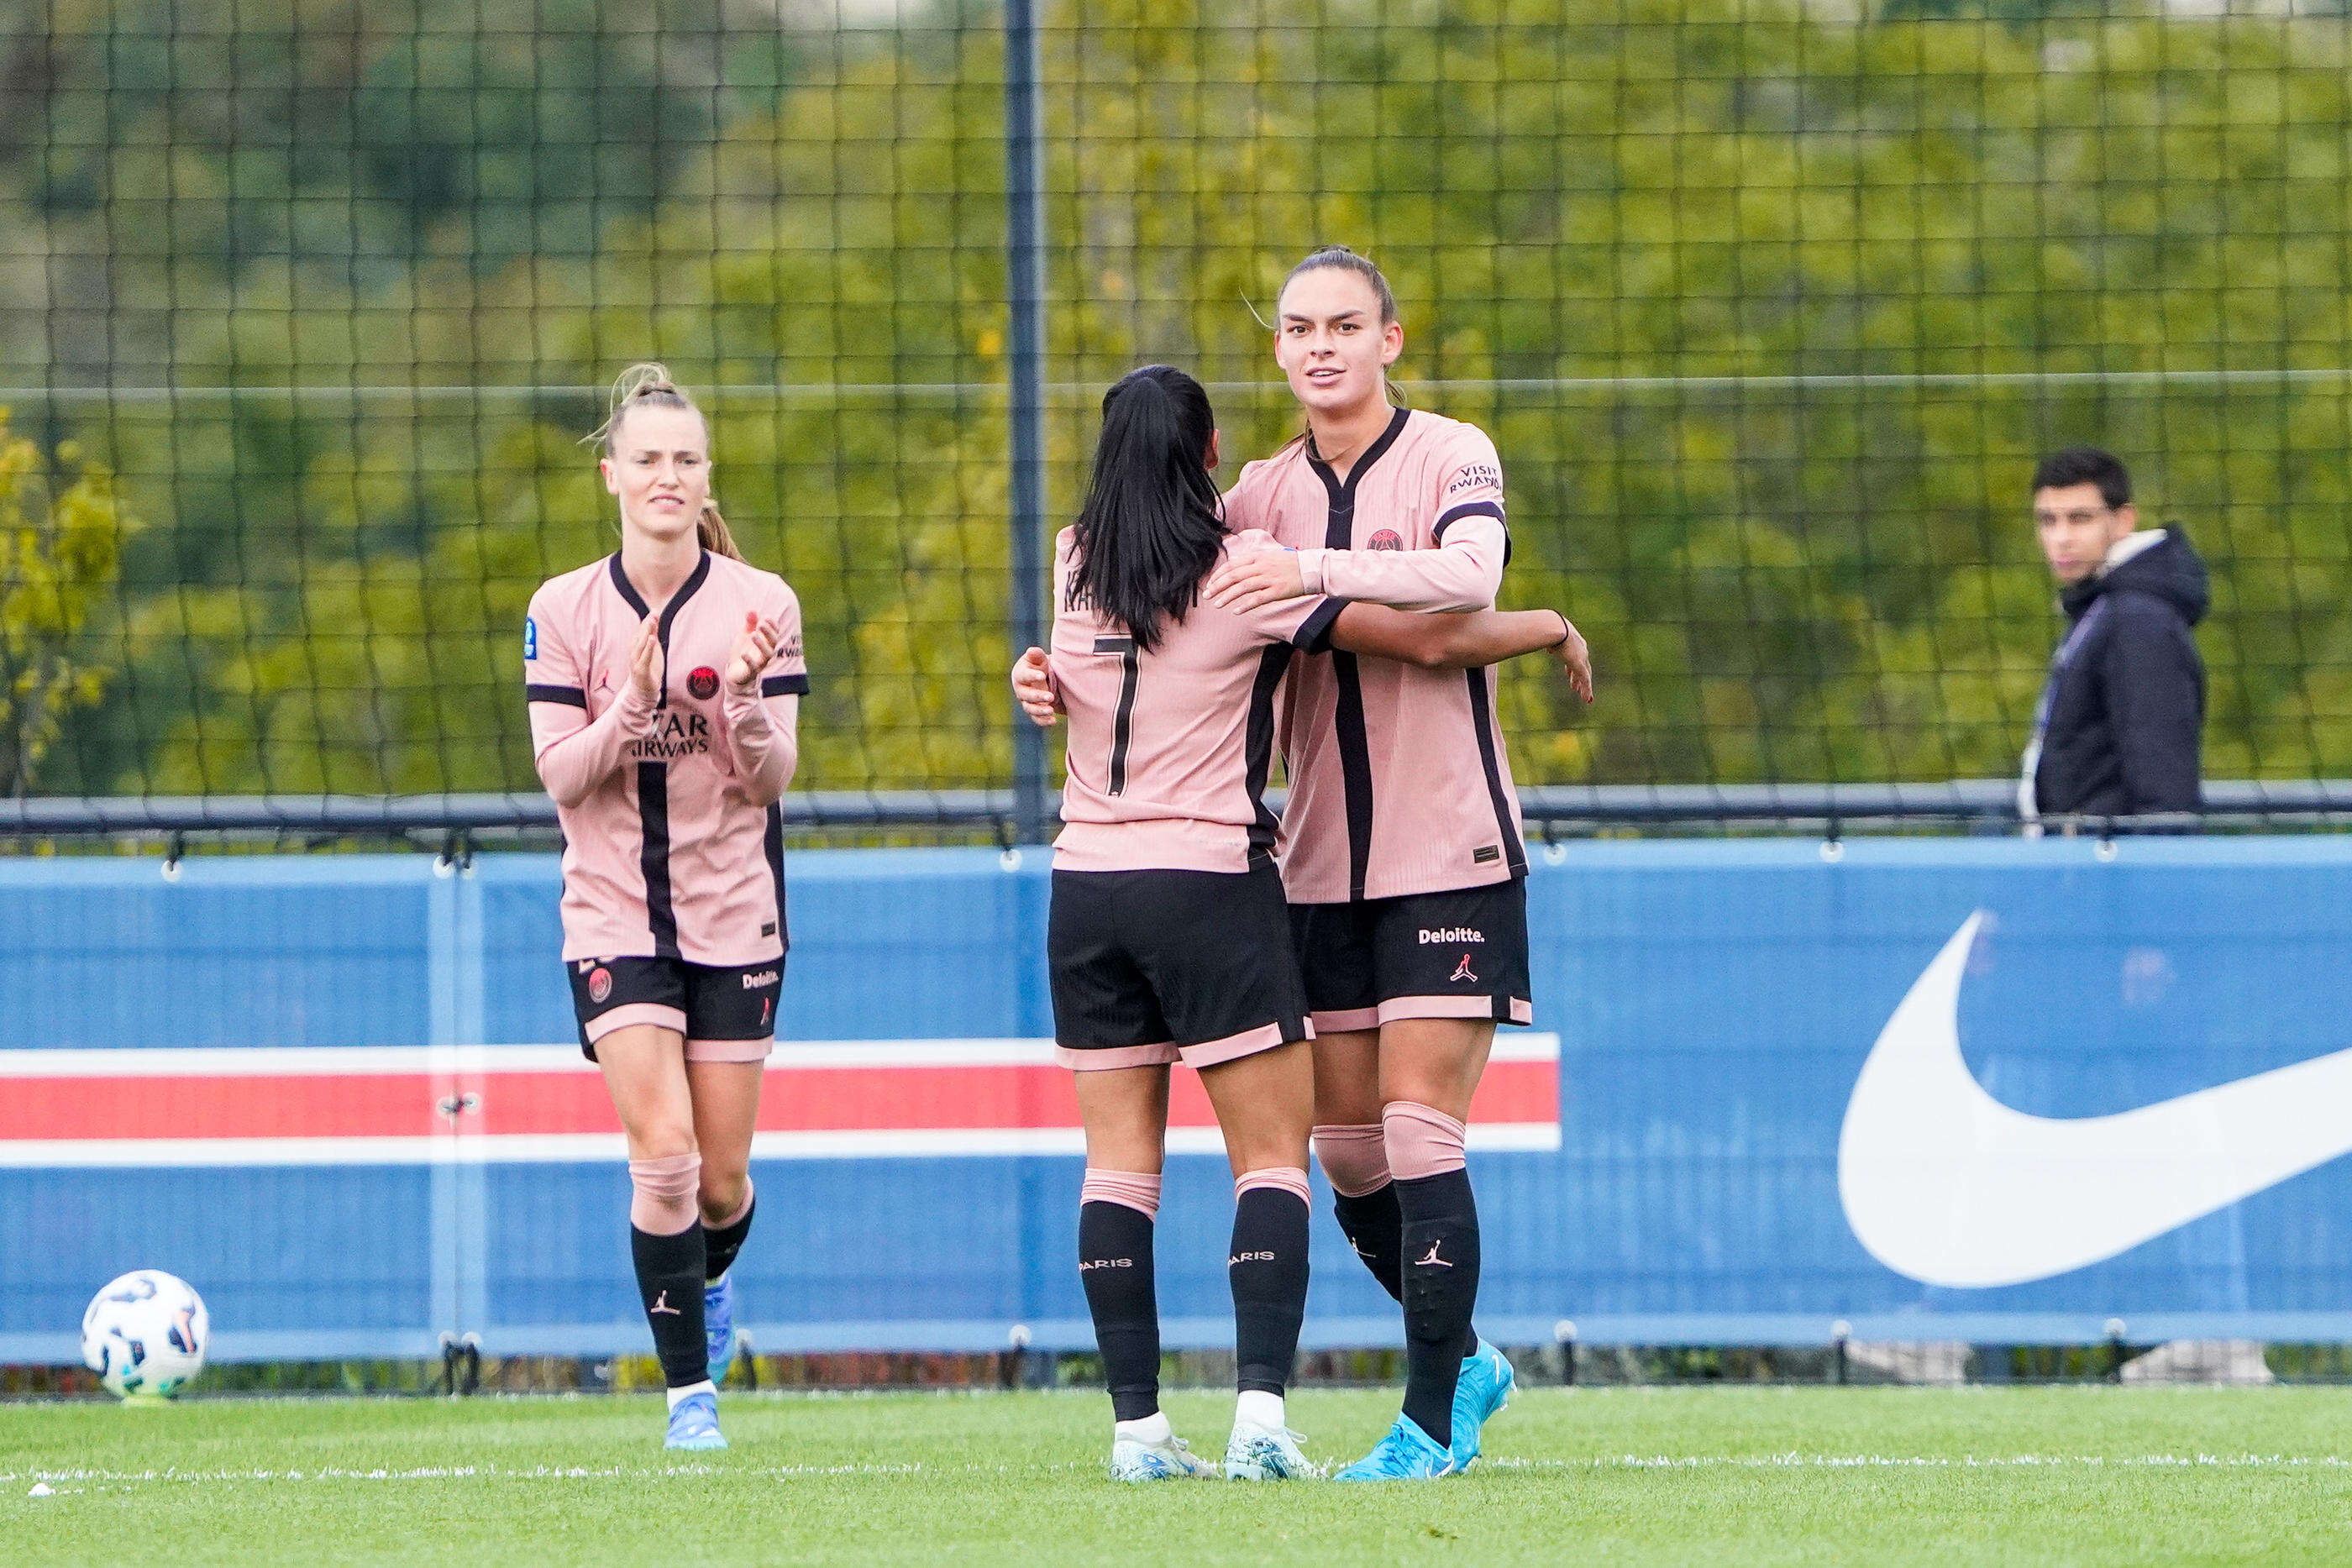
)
(670, 1278)
(1441, 1289)
(1374, 1227)
(1267, 1269)
(720, 1243)
(1441, 1256)
(1114, 1226)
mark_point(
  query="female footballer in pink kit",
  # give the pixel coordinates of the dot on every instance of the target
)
(1402, 849)
(1168, 939)
(663, 684)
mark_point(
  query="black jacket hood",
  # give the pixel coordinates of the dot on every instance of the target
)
(2169, 570)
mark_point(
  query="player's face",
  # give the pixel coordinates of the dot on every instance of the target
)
(1330, 339)
(660, 469)
(2078, 528)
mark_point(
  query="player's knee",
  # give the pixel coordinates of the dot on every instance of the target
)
(722, 1193)
(1355, 1158)
(662, 1193)
(1421, 1140)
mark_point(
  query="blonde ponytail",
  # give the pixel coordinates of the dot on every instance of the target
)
(712, 529)
(647, 385)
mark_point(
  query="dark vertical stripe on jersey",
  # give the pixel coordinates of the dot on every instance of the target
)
(669, 614)
(653, 858)
(775, 843)
(1355, 752)
(1271, 663)
(1122, 724)
(1482, 717)
(1355, 769)
(636, 603)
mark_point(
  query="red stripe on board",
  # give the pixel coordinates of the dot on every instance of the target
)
(354, 1105)
(796, 1100)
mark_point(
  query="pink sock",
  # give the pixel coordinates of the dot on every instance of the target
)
(1282, 1179)
(1355, 1158)
(1421, 1141)
(1137, 1190)
(662, 1199)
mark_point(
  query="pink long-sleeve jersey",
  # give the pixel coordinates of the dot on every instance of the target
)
(673, 845)
(1169, 749)
(1399, 782)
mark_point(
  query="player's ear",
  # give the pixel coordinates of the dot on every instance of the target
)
(1391, 343)
(612, 479)
(1212, 463)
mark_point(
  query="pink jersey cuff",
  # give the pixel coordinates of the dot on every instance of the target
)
(1310, 570)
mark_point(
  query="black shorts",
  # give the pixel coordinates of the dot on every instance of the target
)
(727, 1013)
(1161, 965)
(1459, 955)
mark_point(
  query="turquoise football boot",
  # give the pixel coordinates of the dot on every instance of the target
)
(718, 1326)
(1480, 1391)
(694, 1424)
(1406, 1454)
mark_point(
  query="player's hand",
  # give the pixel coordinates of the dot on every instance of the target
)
(1033, 688)
(1576, 659)
(645, 659)
(1245, 582)
(754, 649)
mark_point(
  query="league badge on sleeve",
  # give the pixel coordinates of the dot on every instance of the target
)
(529, 637)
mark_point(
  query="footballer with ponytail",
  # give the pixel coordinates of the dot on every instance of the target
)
(1167, 939)
(664, 682)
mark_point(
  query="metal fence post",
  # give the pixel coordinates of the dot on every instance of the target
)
(453, 944)
(1024, 238)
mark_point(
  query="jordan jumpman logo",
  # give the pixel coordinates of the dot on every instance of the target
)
(661, 1304)
(1432, 1258)
(1462, 970)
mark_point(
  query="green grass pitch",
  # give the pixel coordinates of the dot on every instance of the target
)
(1710, 1476)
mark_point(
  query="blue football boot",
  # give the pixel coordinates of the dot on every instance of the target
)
(1480, 1391)
(694, 1424)
(1406, 1454)
(718, 1326)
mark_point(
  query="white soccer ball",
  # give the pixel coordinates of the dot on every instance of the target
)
(144, 1334)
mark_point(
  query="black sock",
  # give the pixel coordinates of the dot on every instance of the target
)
(1115, 1267)
(1440, 1288)
(1375, 1228)
(720, 1243)
(1268, 1267)
(669, 1277)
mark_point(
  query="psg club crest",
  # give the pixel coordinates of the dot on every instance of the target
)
(703, 683)
(600, 984)
(1387, 540)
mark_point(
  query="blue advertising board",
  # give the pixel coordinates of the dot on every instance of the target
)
(1981, 1089)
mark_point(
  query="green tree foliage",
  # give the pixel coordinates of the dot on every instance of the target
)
(61, 531)
(1770, 312)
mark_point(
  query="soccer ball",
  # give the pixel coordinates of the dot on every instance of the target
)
(144, 1334)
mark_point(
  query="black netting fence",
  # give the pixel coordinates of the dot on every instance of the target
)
(1770, 308)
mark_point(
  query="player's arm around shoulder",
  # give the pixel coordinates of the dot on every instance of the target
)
(1035, 690)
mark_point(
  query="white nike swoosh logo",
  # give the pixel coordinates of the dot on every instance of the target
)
(1948, 1185)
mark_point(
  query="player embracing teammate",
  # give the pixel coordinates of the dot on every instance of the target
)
(1169, 939)
(664, 684)
(1401, 850)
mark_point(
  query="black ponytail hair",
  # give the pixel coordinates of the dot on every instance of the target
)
(1150, 528)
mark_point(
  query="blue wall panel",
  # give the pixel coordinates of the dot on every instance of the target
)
(1714, 1002)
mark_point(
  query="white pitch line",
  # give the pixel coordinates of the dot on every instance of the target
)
(1599, 1462)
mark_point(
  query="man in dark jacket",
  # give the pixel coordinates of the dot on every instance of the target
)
(2117, 728)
